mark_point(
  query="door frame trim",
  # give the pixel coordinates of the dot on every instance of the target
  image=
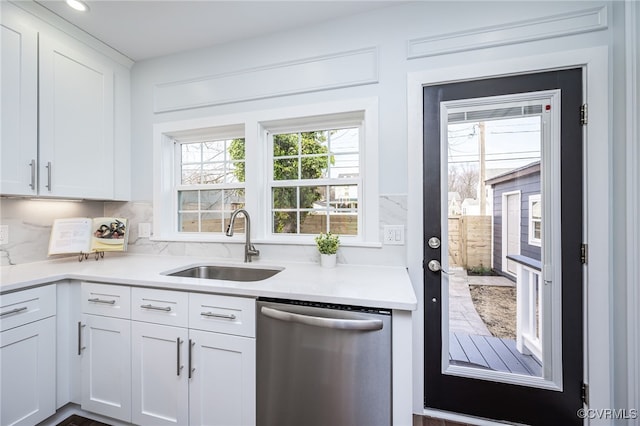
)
(505, 230)
(597, 155)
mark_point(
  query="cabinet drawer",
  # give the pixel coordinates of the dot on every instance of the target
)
(26, 306)
(106, 299)
(160, 306)
(223, 314)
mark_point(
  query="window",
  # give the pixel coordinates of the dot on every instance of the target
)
(535, 220)
(298, 171)
(315, 181)
(210, 184)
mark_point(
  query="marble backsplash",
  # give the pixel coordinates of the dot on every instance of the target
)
(30, 225)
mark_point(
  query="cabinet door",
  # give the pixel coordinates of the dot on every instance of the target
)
(160, 385)
(106, 366)
(28, 380)
(19, 89)
(223, 379)
(76, 121)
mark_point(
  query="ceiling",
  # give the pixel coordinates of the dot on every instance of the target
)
(142, 29)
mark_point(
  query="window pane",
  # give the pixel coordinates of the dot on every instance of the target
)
(233, 200)
(188, 222)
(344, 197)
(235, 172)
(213, 151)
(536, 209)
(211, 222)
(314, 142)
(345, 140)
(285, 144)
(343, 222)
(285, 169)
(314, 167)
(191, 153)
(188, 200)
(313, 222)
(284, 198)
(213, 173)
(312, 197)
(211, 200)
(190, 175)
(285, 223)
(345, 166)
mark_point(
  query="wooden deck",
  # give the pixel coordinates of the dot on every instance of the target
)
(491, 353)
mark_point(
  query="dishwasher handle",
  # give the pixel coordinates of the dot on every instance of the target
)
(337, 323)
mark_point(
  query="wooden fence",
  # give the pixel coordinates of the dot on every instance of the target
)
(470, 241)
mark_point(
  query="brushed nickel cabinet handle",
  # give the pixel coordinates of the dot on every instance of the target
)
(80, 347)
(214, 315)
(13, 311)
(49, 176)
(33, 174)
(191, 369)
(157, 308)
(98, 300)
(178, 366)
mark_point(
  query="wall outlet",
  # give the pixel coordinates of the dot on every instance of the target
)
(4, 234)
(144, 230)
(393, 235)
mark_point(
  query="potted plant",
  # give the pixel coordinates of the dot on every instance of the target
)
(328, 247)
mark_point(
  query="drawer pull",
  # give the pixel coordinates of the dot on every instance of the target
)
(157, 308)
(214, 315)
(13, 311)
(98, 300)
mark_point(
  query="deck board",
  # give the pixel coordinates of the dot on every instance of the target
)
(491, 352)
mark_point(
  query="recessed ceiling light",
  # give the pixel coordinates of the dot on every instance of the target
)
(78, 5)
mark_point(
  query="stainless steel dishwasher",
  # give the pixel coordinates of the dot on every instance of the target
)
(323, 365)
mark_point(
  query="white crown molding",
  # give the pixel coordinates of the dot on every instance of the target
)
(337, 70)
(582, 21)
(66, 27)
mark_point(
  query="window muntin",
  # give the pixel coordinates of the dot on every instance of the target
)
(211, 184)
(315, 182)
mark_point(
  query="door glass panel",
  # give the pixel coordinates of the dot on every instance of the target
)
(500, 159)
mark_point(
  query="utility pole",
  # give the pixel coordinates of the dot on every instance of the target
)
(481, 149)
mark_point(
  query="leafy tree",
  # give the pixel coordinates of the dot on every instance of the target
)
(312, 164)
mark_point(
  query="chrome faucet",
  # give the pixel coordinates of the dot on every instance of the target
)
(249, 249)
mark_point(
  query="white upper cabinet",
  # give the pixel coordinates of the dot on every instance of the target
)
(19, 137)
(64, 118)
(76, 122)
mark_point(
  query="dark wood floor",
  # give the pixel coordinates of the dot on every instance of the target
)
(75, 420)
(430, 421)
(491, 353)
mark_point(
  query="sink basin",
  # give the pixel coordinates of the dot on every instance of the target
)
(229, 273)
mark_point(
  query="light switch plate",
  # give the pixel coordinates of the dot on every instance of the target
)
(4, 234)
(393, 235)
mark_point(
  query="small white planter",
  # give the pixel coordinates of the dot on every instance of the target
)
(328, 260)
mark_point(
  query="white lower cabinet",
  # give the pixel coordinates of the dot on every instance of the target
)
(106, 366)
(160, 384)
(222, 384)
(27, 356)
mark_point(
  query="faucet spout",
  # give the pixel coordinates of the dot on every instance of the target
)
(249, 249)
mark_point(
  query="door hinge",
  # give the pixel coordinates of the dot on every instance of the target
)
(584, 393)
(583, 114)
(583, 253)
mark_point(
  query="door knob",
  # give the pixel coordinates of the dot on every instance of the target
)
(435, 266)
(434, 242)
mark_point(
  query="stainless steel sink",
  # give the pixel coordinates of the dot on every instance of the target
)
(229, 273)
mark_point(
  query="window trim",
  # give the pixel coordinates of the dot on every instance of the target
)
(255, 125)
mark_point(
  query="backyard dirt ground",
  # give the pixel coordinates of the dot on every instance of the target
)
(496, 305)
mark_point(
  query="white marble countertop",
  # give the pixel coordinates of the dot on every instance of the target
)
(362, 285)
